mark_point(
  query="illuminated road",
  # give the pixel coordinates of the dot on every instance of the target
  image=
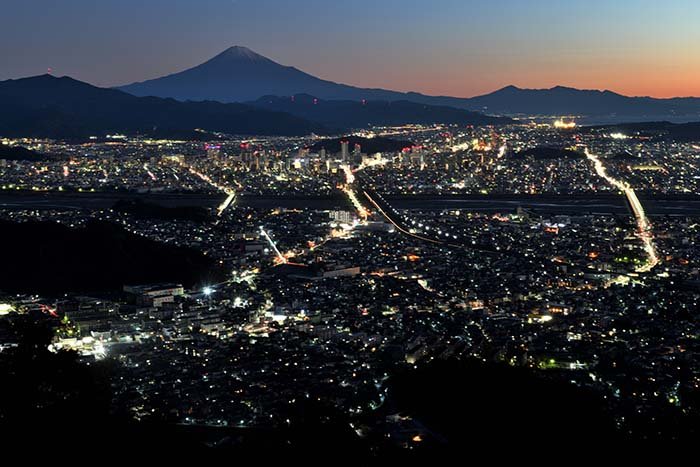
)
(280, 257)
(347, 189)
(227, 202)
(361, 210)
(148, 171)
(230, 192)
(502, 151)
(398, 226)
(644, 230)
(451, 242)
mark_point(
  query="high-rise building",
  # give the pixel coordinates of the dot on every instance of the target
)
(342, 216)
(344, 151)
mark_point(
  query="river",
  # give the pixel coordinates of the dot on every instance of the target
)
(544, 204)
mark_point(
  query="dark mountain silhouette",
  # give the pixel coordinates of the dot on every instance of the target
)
(355, 114)
(46, 106)
(367, 145)
(562, 100)
(238, 75)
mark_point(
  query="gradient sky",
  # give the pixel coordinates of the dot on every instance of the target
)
(451, 47)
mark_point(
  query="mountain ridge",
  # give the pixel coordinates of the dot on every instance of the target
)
(239, 74)
(357, 114)
(561, 100)
(65, 108)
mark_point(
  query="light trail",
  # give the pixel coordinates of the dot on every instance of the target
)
(361, 210)
(211, 182)
(349, 176)
(349, 180)
(644, 231)
(398, 227)
(230, 192)
(502, 151)
(282, 259)
(227, 202)
(148, 171)
(48, 310)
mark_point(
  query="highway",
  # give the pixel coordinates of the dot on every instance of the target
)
(397, 225)
(644, 231)
(376, 201)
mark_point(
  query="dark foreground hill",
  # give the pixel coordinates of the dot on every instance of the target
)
(462, 410)
(50, 258)
(441, 409)
(64, 108)
(19, 153)
(464, 405)
(144, 210)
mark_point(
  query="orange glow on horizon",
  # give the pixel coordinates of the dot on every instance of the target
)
(635, 76)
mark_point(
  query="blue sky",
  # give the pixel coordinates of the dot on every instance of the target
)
(451, 47)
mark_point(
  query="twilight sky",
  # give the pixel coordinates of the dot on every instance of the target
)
(451, 47)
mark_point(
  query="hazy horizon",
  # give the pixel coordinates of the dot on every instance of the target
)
(464, 49)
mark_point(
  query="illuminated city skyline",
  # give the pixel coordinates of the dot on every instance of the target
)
(400, 230)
